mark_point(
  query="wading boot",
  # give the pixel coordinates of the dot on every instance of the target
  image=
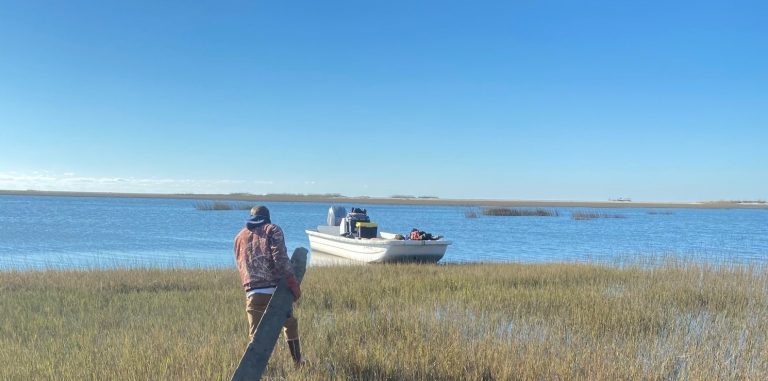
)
(295, 348)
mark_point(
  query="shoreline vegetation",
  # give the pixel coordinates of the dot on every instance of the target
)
(674, 320)
(403, 200)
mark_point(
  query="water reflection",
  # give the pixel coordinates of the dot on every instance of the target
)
(321, 259)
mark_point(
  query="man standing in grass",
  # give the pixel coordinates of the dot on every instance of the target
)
(262, 259)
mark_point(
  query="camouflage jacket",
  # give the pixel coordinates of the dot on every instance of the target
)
(261, 256)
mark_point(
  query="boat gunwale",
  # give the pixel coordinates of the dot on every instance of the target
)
(377, 241)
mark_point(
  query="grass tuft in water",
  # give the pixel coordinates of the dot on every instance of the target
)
(519, 212)
(220, 205)
(589, 215)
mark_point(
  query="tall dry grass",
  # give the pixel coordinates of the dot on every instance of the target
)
(397, 322)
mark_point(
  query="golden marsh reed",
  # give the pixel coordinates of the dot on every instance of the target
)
(396, 322)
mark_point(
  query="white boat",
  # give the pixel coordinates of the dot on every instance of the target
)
(337, 239)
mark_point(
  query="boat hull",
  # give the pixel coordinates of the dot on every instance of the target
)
(377, 250)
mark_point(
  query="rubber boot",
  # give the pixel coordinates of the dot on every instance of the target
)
(295, 347)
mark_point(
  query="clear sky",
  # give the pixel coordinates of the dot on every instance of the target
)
(552, 100)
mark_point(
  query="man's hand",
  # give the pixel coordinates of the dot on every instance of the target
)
(294, 286)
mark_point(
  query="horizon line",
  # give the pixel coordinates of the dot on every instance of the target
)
(401, 199)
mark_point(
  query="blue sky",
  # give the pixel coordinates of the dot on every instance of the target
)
(553, 100)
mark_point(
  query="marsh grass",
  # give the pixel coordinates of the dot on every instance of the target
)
(591, 215)
(519, 212)
(397, 322)
(221, 205)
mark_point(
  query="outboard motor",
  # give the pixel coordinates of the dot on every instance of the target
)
(336, 215)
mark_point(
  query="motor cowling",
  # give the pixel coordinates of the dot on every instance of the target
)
(335, 215)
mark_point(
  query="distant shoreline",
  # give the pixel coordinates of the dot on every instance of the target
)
(397, 201)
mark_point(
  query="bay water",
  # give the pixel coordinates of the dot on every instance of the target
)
(40, 232)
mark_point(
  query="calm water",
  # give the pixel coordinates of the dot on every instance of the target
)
(75, 232)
